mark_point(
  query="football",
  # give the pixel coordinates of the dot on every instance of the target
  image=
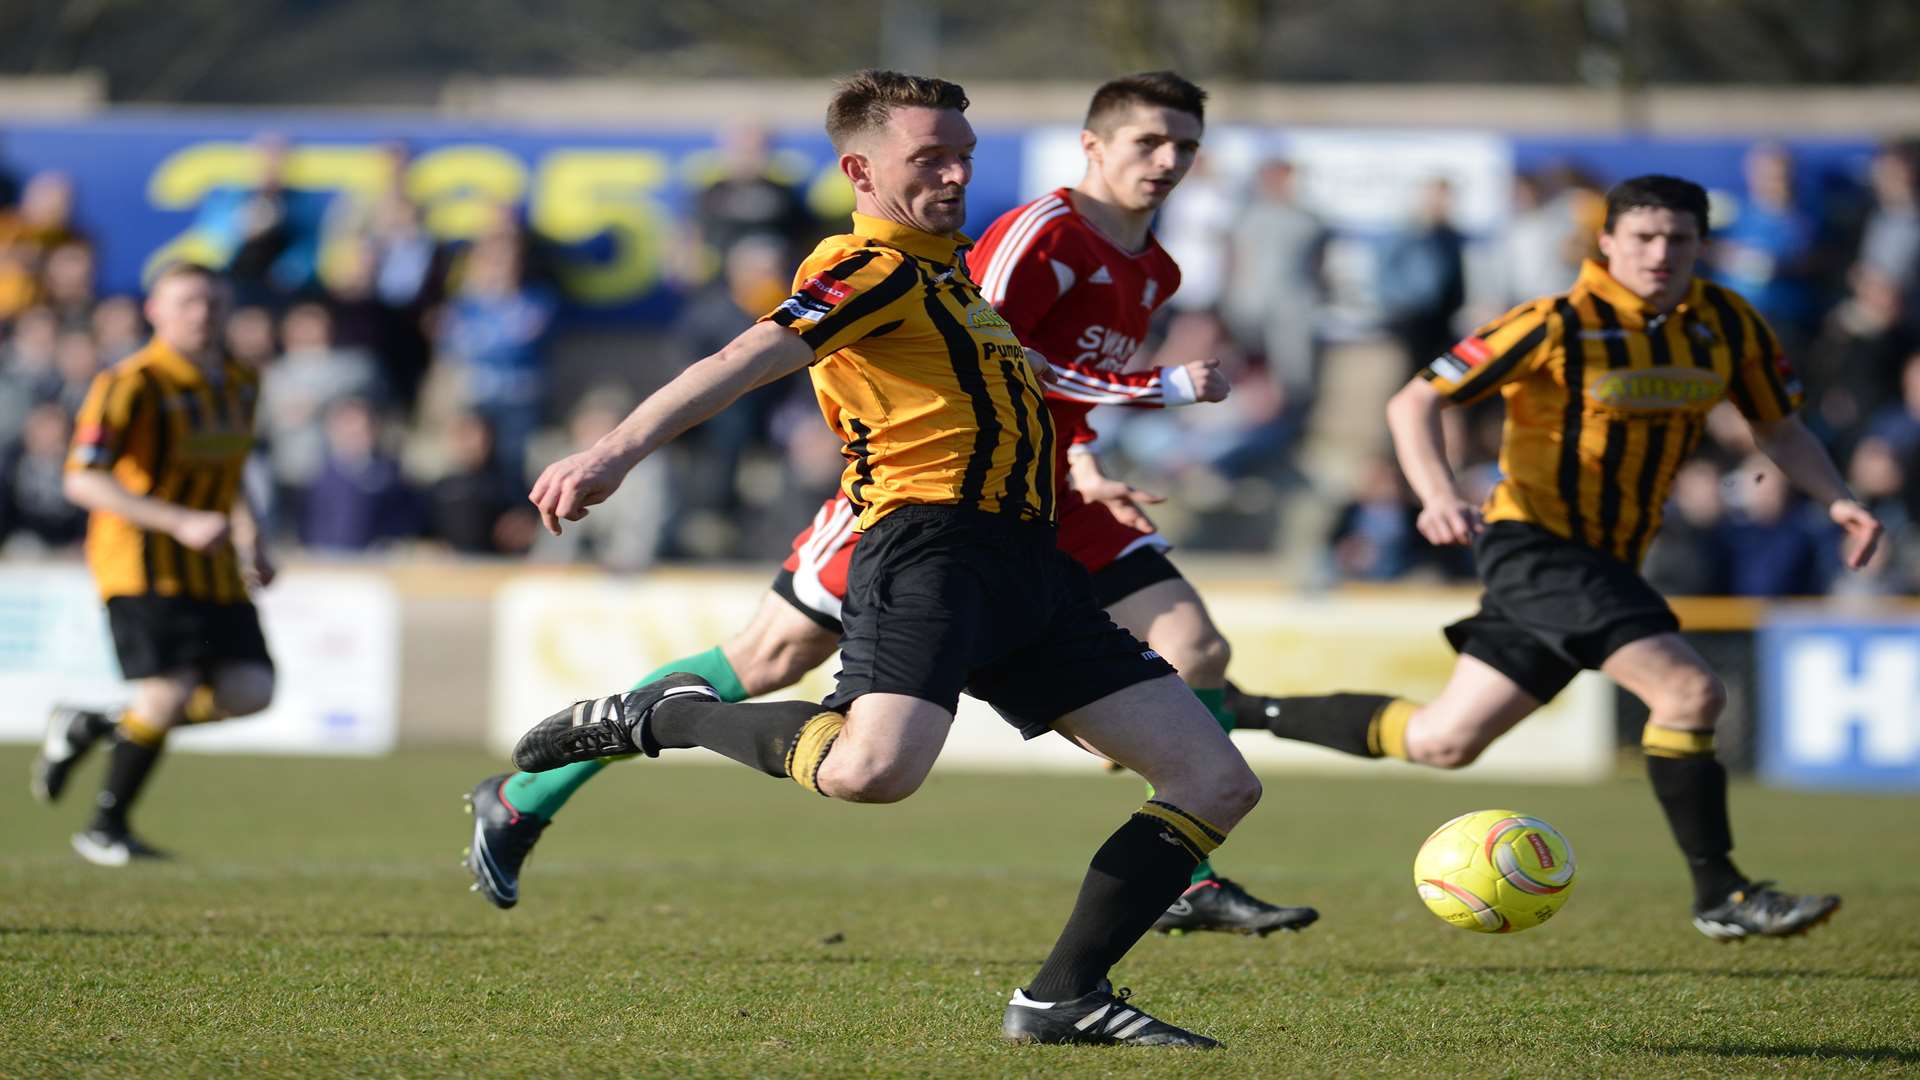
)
(1494, 871)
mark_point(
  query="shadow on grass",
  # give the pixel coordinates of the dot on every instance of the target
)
(1509, 970)
(1792, 1050)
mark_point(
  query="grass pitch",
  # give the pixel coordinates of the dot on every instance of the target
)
(698, 921)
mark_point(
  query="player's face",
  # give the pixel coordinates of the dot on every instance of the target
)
(1146, 154)
(185, 312)
(1652, 251)
(915, 171)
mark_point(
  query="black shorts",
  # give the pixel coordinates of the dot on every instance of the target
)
(159, 635)
(1130, 573)
(941, 600)
(1553, 607)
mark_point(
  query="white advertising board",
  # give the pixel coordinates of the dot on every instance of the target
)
(558, 640)
(335, 639)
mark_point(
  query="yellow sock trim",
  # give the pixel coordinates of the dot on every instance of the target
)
(1199, 837)
(1387, 734)
(200, 708)
(135, 729)
(1673, 743)
(810, 748)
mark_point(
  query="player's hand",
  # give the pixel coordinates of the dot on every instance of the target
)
(257, 568)
(1449, 520)
(201, 530)
(568, 486)
(1209, 382)
(1862, 528)
(1123, 499)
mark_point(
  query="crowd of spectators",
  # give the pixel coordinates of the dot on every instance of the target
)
(408, 391)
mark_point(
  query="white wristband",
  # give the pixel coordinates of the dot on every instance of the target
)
(1176, 387)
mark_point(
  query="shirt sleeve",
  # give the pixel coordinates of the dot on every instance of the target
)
(113, 403)
(846, 298)
(1764, 386)
(1503, 350)
(1024, 281)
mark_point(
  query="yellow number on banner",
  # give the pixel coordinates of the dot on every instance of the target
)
(464, 186)
(582, 194)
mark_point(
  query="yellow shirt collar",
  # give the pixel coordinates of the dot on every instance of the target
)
(926, 245)
(1595, 278)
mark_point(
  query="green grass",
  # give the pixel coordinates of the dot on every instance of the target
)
(708, 921)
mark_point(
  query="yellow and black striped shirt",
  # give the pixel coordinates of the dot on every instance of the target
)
(1605, 398)
(924, 382)
(165, 429)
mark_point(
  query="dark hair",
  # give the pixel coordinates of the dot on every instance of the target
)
(863, 101)
(1657, 192)
(1163, 88)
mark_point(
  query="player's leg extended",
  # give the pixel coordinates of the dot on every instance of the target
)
(1684, 699)
(773, 651)
(1203, 788)
(1170, 616)
(157, 706)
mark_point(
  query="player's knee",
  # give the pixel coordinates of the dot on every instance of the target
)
(868, 778)
(243, 691)
(1199, 653)
(1450, 753)
(1696, 698)
(1232, 791)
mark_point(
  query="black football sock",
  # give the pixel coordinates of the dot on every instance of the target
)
(1143, 867)
(1365, 725)
(780, 738)
(1691, 785)
(136, 748)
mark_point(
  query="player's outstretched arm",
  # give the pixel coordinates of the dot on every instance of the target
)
(96, 489)
(1800, 455)
(763, 353)
(1413, 417)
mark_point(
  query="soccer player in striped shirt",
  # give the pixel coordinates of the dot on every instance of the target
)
(1607, 390)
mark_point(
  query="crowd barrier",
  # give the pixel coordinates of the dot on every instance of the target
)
(371, 657)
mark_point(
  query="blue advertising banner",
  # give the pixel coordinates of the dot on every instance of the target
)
(1840, 702)
(151, 185)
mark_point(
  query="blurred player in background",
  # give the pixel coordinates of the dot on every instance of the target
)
(1078, 274)
(173, 544)
(1607, 391)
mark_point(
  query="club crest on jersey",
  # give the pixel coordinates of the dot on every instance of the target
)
(1151, 292)
(1657, 388)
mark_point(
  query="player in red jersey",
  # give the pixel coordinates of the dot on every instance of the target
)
(1078, 275)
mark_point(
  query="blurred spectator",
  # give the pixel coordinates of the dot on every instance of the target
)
(41, 223)
(1773, 543)
(34, 511)
(756, 279)
(66, 285)
(250, 338)
(1763, 252)
(1685, 558)
(1196, 228)
(358, 500)
(1899, 422)
(1275, 290)
(1374, 538)
(1890, 242)
(1853, 368)
(297, 391)
(476, 508)
(625, 532)
(1543, 243)
(494, 335)
(118, 329)
(76, 362)
(750, 198)
(1423, 277)
(29, 373)
(267, 236)
(387, 273)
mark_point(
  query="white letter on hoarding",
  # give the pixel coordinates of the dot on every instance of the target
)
(1825, 701)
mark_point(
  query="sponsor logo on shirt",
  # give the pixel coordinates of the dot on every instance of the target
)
(1101, 347)
(826, 290)
(1102, 276)
(1474, 351)
(981, 316)
(1657, 388)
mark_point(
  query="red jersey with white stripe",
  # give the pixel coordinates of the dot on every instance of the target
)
(1080, 300)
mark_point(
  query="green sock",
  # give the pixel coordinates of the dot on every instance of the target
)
(543, 794)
